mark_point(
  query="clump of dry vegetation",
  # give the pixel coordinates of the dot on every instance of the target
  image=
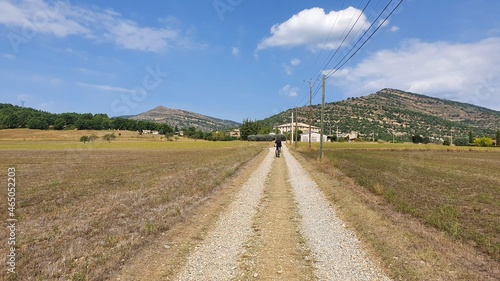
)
(84, 210)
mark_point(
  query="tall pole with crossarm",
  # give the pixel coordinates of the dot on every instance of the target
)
(322, 117)
(310, 111)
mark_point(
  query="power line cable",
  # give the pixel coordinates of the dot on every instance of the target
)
(342, 62)
(336, 49)
(347, 35)
(321, 51)
(346, 57)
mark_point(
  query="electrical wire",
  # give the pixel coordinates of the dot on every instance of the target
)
(322, 49)
(348, 56)
(337, 48)
(342, 62)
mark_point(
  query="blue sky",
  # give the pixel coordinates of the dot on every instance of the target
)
(236, 59)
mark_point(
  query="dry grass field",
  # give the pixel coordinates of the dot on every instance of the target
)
(454, 190)
(84, 209)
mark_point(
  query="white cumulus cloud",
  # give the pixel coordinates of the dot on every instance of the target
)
(289, 91)
(312, 27)
(466, 72)
(29, 18)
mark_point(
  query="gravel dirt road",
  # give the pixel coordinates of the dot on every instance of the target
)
(276, 226)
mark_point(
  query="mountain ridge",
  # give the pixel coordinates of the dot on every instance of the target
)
(392, 111)
(184, 119)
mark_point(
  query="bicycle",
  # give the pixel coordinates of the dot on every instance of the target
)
(278, 152)
(277, 144)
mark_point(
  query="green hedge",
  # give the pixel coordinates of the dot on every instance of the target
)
(265, 137)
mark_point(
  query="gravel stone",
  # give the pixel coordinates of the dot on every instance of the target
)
(335, 250)
(216, 258)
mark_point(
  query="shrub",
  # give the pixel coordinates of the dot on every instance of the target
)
(92, 138)
(417, 139)
(84, 139)
(461, 141)
(265, 137)
(109, 137)
(483, 141)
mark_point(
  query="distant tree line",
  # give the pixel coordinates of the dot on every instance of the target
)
(420, 139)
(193, 133)
(12, 117)
(470, 140)
(266, 137)
(253, 128)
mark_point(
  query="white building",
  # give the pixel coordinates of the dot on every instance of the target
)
(235, 133)
(286, 128)
(315, 137)
(351, 136)
(150, 132)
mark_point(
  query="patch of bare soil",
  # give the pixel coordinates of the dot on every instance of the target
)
(277, 250)
(166, 257)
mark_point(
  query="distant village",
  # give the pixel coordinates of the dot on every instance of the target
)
(315, 133)
(285, 129)
(307, 131)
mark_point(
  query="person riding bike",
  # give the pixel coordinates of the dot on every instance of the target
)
(277, 144)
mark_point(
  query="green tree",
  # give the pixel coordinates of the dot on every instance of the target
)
(109, 137)
(417, 139)
(189, 132)
(483, 141)
(198, 135)
(69, 118)
(99, 122)
(38, 123)
(248, 128)
(471, 137)
(463, 141)
(219, 136)
(59, 123)
(84, 139)
(498, 138)
(83, 124)
(164, 129)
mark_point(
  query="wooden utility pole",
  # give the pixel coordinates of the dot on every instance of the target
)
(310, 112)
(291, 130)
(322, 115)
(296, 125)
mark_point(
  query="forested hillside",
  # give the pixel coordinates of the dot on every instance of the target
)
(391, 112)
(12, 116)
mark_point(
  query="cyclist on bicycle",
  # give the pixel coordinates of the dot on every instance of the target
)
(277, 144)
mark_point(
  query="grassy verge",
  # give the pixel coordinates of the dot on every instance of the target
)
(84, 210)
(455, 191)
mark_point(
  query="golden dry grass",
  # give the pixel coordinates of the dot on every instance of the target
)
(84, 210)
(65, 135)
(425, 210)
